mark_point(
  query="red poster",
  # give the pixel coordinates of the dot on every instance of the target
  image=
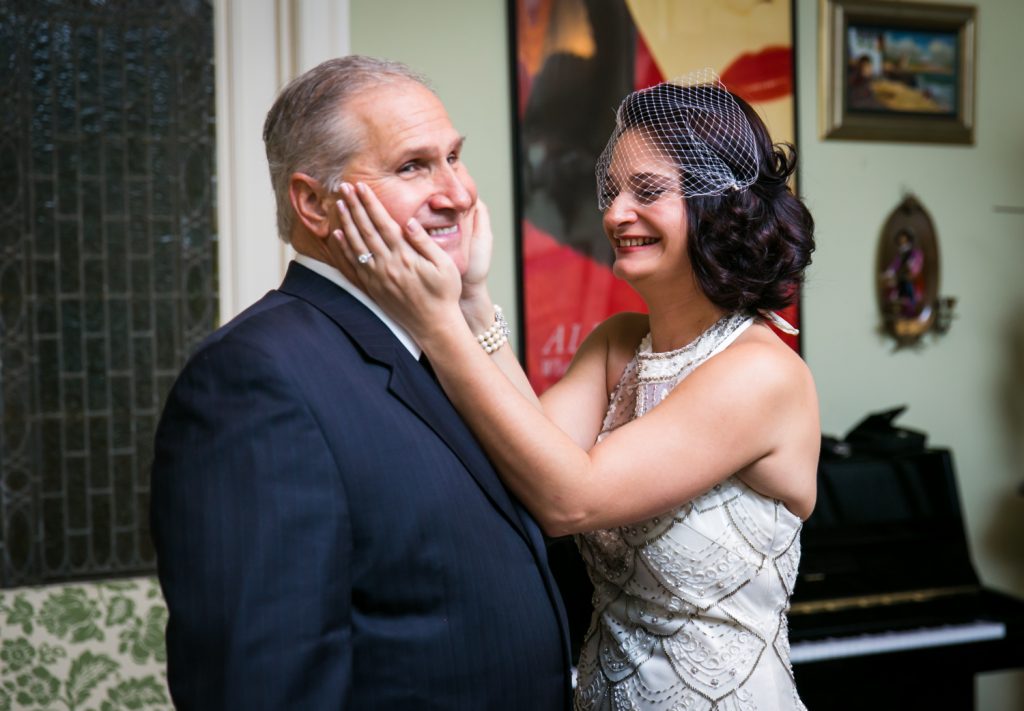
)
(575, 61)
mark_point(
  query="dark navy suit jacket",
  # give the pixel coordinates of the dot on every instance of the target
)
(329, 534)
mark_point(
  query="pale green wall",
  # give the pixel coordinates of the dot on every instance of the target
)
(957, 386)
(462, 47)
(961, 388)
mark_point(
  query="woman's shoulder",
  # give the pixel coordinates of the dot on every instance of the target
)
(761, 363)
(621, 334)
(762, 344)
(625, 330)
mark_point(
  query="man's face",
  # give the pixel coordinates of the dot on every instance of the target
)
(411, 159)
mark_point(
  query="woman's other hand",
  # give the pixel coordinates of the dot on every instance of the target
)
(475, 299)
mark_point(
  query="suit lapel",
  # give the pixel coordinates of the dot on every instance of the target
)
(409, 382)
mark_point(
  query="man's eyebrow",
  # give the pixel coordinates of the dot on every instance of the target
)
(423, 149)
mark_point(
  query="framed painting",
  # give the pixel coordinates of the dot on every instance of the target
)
(574, 61)
(897, 71)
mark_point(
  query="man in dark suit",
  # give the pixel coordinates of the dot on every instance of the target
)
(329, 533)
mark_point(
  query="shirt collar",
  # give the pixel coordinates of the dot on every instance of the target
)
(328, 272)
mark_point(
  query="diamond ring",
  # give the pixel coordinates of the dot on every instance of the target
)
(365, 257)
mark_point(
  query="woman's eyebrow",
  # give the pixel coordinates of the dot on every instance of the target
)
(649, 178)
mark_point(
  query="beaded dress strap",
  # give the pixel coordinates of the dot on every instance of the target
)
(779, 322)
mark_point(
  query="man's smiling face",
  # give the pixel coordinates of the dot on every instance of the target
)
(411, 158)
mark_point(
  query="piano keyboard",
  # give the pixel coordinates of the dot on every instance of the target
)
(835, 648)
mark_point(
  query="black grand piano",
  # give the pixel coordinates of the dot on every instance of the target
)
(888, 612)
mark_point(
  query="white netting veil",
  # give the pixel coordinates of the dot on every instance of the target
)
(691, 123)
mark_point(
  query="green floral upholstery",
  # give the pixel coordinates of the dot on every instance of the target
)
(83, 647)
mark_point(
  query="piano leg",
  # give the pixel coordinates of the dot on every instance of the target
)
(884, 682)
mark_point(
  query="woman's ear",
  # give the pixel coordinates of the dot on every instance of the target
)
(307, 198)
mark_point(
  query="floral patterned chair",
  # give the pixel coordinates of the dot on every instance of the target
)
(83, 647)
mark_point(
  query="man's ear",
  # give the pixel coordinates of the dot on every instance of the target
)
(307, 198)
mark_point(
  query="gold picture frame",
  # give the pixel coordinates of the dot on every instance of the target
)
(897, 71)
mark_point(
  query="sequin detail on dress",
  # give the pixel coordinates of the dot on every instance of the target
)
(689, 606)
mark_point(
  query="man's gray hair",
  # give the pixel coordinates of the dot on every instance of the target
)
(307, 129)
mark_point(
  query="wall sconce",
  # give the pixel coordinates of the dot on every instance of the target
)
(907, 275)
(944, 314)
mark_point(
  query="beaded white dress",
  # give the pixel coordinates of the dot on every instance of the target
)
(689, 606)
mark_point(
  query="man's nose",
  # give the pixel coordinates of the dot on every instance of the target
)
(453, 191)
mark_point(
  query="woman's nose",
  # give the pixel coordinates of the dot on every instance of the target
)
(619, 211)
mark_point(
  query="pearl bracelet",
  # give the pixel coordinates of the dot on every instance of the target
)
(497, 335)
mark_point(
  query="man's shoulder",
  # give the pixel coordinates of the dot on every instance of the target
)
(270, 347)
(274, 317)
(262, 313)
(265, 326)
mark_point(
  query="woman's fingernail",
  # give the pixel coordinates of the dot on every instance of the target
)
(346, 188)
(361, 187)
(412, 224)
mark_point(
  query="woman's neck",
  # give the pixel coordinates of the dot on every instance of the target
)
(678, 320)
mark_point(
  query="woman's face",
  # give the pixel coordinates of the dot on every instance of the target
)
(646, 215)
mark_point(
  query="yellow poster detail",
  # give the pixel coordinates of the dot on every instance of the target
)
(687, 35)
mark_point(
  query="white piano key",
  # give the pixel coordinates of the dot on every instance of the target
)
(840, 648)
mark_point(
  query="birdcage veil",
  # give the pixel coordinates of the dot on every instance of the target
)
(695, 125)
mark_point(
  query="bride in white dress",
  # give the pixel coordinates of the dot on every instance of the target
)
(681, 446)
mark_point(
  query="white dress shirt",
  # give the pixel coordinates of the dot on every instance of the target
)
(328, 272)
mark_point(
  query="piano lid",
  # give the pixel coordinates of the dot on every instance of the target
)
(884, 526)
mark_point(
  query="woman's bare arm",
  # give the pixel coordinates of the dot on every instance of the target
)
(726, 417)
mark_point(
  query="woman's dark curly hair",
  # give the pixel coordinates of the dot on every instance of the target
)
(748, 247)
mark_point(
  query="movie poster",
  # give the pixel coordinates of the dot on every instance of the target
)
(576, 60)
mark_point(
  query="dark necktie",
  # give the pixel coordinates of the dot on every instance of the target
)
(427, 367)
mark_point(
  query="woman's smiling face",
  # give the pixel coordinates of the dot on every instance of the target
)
(646, 214)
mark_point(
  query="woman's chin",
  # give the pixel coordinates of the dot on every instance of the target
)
(622, 269)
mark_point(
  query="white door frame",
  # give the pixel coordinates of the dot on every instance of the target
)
(259, 45)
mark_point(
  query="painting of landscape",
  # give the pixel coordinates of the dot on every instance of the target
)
(901, 70)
